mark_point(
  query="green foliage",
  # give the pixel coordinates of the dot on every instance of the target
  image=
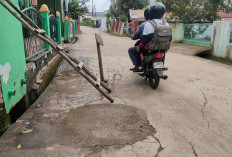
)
(107, 15)
(190, 11)
(88, 22)
(123, 18)
(113, 11)
(78, 8)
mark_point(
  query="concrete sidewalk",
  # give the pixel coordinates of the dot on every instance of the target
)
(189, 115)
(190, 50)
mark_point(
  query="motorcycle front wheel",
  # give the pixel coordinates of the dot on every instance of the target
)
(154, 79)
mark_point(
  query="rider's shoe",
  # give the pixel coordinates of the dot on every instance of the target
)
(138, 69)
(132, 69)
(165, 68)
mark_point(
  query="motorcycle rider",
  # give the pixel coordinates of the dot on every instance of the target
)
(157, 12)
(134, 55)
(139, 33)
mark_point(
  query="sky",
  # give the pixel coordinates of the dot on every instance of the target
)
(101, 5)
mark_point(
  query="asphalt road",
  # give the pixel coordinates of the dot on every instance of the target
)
(189, 115)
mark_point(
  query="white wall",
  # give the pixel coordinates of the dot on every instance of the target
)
(177, 32)
(221, 36)
(103, 24)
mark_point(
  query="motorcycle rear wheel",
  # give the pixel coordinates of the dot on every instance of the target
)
(154, 79)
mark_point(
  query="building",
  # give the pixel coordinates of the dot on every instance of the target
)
(224, 15)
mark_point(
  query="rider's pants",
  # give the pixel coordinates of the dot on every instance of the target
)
(134, 56)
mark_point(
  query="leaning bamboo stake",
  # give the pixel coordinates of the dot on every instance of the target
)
(56, 47)
(99, 41)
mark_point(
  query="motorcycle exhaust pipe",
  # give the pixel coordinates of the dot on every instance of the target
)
(164, 77)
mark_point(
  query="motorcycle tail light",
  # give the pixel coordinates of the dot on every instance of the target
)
(141, 56)
(159, 55)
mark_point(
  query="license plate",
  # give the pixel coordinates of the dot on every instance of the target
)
(158, 65)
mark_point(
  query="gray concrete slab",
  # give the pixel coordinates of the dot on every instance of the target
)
(189, 114)
(187, 49)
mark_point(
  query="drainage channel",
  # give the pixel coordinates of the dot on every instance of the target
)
(208, 55)
(7, 119)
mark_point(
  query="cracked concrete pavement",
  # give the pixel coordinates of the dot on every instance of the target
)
(190, 112)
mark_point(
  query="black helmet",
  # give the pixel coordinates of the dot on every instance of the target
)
(157, 11)
(147, 13)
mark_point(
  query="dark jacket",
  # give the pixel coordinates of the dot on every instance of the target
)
(139, 33)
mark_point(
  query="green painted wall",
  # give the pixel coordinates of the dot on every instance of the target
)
(46, 27)
(12, 59)
(199, 34)
(197, 43)
(66, 30)
(178, 33)
(59, 30)
(74, 29)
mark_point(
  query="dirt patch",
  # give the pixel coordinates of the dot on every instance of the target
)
(94, 127)
(100, 126)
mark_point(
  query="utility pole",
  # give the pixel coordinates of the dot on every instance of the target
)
(92, 9)
(119, 7)
(95, 11)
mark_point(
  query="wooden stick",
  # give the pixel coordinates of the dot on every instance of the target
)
(99, 41)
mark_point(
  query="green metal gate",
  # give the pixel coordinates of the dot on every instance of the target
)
(53, 28)
(32, 44)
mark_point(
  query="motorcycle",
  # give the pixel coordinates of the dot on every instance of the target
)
(153, 67)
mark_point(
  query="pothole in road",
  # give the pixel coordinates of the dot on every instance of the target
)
(94, 127)
(100, 126)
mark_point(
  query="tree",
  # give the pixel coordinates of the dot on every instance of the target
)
(190, 11)
(122, 18)
(125, 6)
(114, 12)
(107, 15)
(78, 8)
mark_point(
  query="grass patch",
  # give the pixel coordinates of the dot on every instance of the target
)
(221, 60)
(208, 55)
